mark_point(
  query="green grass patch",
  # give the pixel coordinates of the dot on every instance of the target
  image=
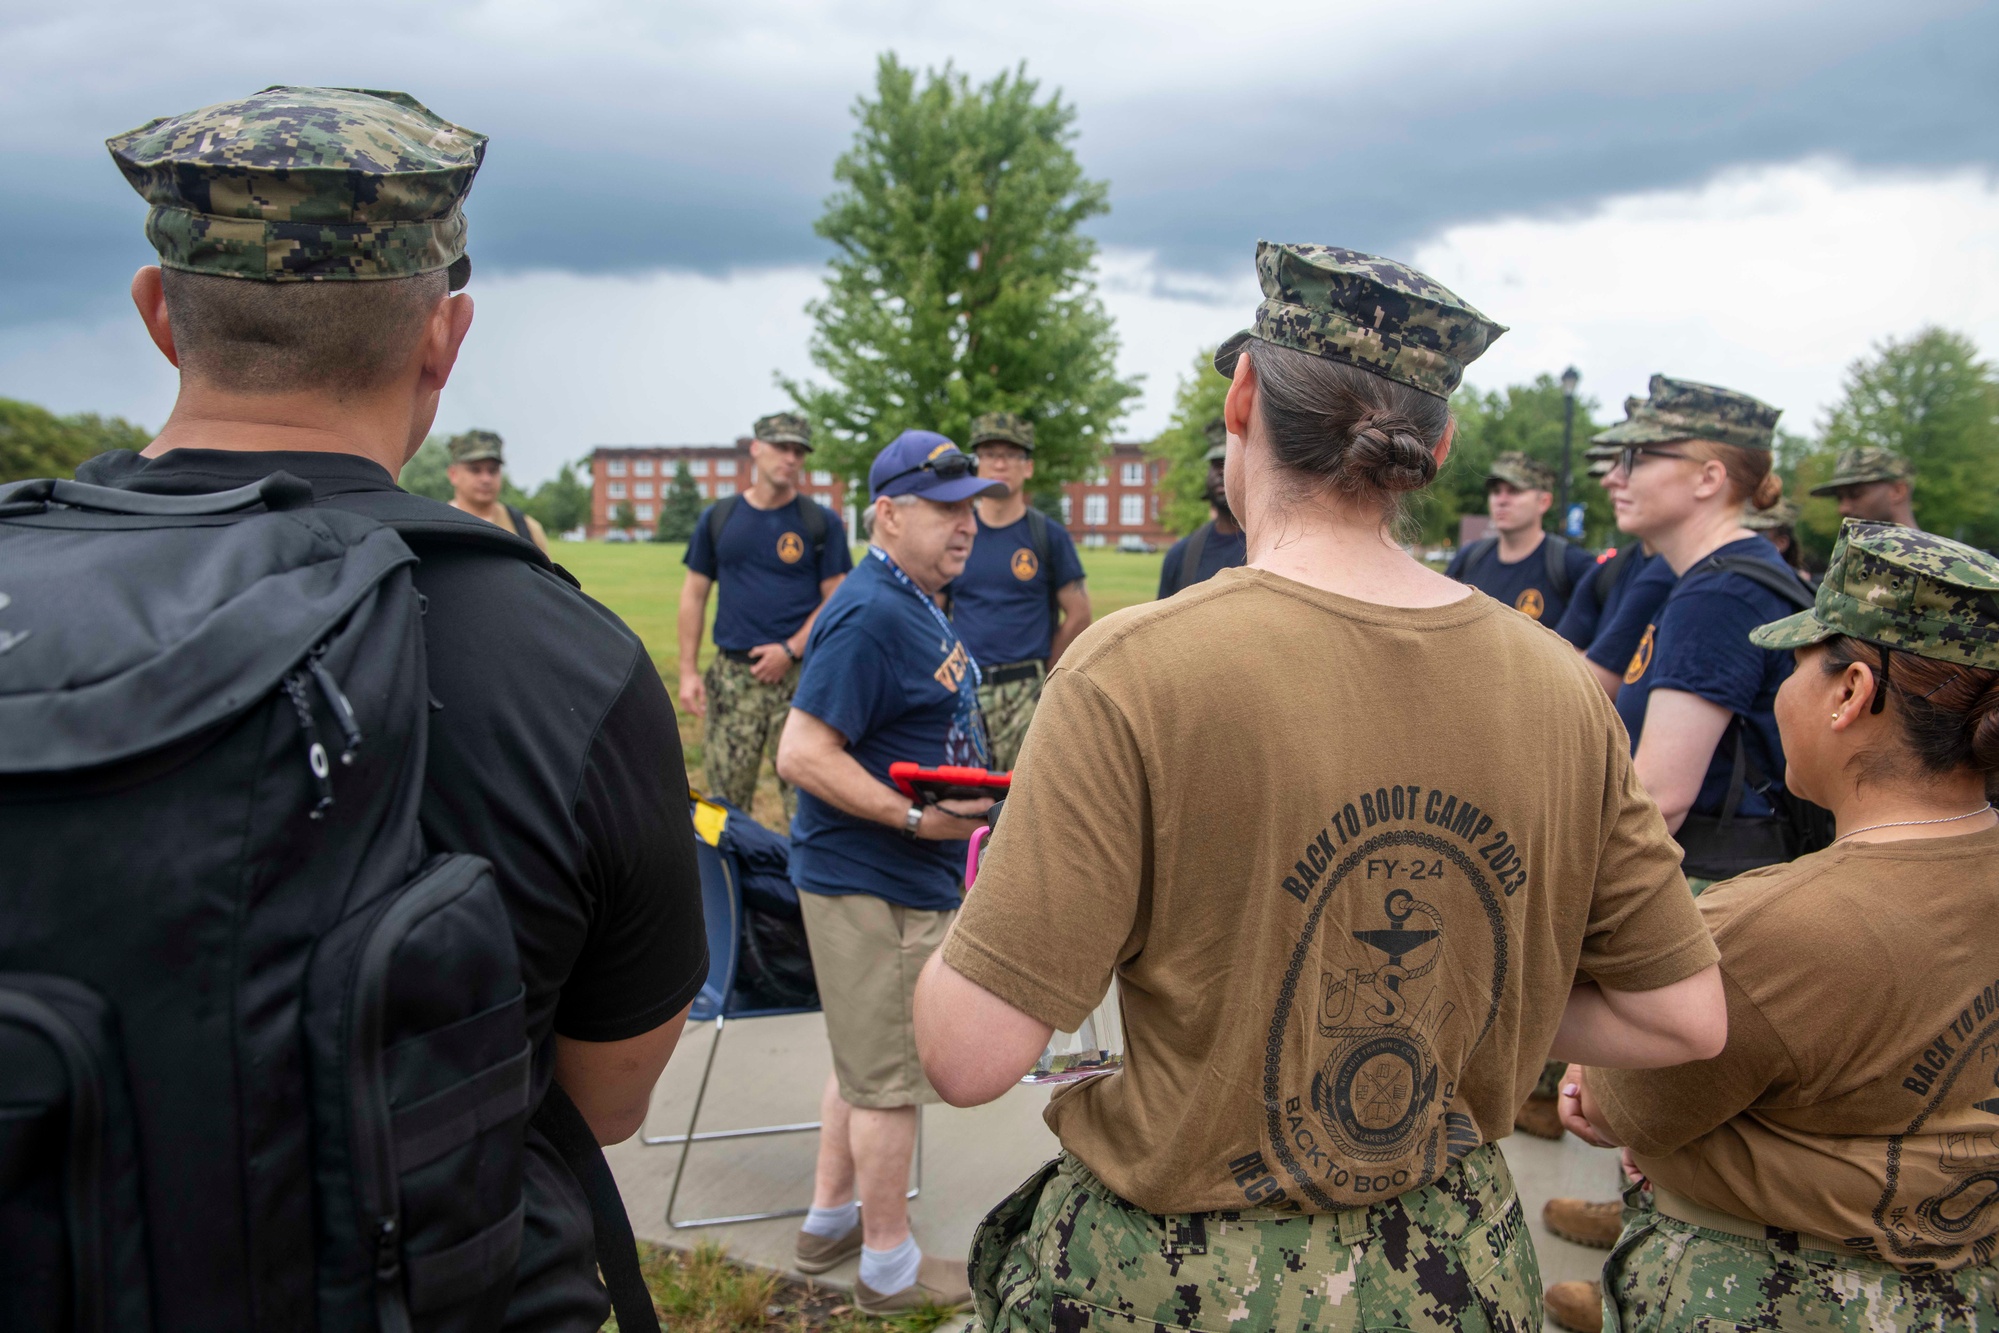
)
(702, 1291)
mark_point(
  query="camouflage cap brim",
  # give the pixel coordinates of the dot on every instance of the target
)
(1855, 479)
(1216, 454)
(480, 454)
(1795, 631)
(1641, 430)
(1226, 354)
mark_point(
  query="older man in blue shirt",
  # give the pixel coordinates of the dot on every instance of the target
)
(886, 678)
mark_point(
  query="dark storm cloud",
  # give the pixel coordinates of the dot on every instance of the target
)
(606, 172)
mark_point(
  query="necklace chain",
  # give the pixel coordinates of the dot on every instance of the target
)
(1905, 823)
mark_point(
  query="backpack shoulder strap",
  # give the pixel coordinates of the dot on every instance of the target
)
(1478, 551)
(1780, 581)
(1190, 558)
(419, 520)
(1555, 548)
(718, 518)
(1037, 537)
(617, 1250)
(811, 517)
(520, 522)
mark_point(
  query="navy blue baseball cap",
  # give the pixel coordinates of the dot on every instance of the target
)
(922, 462)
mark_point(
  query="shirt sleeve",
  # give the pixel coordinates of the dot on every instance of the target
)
(1617, 637)
(849, 682)
(1703, 648)
(1644, 930)
(1579, 619)
(1051, 915)
(1062, 553)
(645, 954)
(700, 555)
(838, 557)
(1580, 562)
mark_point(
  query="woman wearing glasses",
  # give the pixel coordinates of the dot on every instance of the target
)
(1837, 1166)
(1697, 694)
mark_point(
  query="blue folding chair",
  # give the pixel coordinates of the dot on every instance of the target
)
(722, 905)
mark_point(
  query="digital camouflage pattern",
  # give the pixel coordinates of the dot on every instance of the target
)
(1864, 463)
(1365, 310)
(1063, 1252)
(1009, 707)
(1905, 589)
(784, 428)
(1783, 514)
(1003, 428)
(298, 184)
(1684, 410)
(1517, 469)
(1666, 1274)
(475, 445)
(745, 718)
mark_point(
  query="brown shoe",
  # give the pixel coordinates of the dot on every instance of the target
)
(1576, 1306)
(1596, 1225)
(1540, 1117)
(939, 1282)
(816, 1254)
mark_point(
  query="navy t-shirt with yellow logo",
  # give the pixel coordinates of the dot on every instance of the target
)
(767, 580)
(1523, 585)
(1001, 604)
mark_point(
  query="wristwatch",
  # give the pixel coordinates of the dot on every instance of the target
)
(912, 821)
(786, 645)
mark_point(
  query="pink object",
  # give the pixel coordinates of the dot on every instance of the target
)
(972, 854)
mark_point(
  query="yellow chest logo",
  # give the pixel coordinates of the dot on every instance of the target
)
(1025, 566)
(790, 548)
(953, 668)
(1529, 603)
(1642, 659)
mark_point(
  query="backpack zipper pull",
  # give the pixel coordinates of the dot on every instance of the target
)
(315, 753)
(343, 712)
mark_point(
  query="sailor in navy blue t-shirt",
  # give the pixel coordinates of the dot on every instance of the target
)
(774, 556)
(1021, 599)
(1216, 545)
(1629, 609)
(1530, 570)
(887, 679)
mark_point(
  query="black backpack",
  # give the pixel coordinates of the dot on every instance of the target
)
(263, 1061)
(811, 517)
(1554, 550)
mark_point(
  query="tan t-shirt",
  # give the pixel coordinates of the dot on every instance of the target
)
(1346, 861)
(1858, 1098)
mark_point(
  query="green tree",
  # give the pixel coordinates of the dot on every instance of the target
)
(961, 280)
(1184, 446)
(425, 473)
(562, 503)
(1527, 417)
(1932, 400)
(680, 509)
(35, 442)
(624, 517)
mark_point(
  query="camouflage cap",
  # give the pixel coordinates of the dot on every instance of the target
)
(1217, 432)
(1517, 469)
(475, 445)
(1684, 410)
(1905, 589)
(1003, 428)
(306, 184)
(784, 428)
(1783, 514)
(1366, 311)
(1864, 463)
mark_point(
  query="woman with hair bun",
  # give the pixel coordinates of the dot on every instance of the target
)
(1837, 1166)
(1359, 845)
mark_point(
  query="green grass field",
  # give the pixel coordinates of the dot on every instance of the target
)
(641, 582)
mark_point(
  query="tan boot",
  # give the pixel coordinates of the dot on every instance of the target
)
(1597, 1225)
(939, 1282)
(816, 1254)
(1576, 1306)
(1539, 1117)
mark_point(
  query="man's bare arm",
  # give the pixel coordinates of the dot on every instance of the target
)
(1074, 601)
(611, 1082)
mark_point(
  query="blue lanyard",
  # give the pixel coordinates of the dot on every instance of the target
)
(950, 634)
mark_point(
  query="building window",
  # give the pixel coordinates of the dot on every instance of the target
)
(642, 468)
(1096, 508)
(724, 489)
(1155, 509)
(643, 490)
(1068, 510)
(1131, 511)
(702, 487)
(645, 513)
(617, 489)
(699, 467)
(821, 477)
(1093, 539)
(615, 468)
(725, 467)
(1098, 476)
(824, 498)
(1131, 474)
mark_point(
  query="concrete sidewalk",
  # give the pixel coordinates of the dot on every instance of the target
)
(771, 1070)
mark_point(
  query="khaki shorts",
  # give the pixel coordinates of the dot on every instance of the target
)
(866, 954)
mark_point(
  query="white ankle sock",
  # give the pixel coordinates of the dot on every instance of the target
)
(832, 1222)
(888, 1271)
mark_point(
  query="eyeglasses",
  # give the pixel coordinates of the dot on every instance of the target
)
(945, 467)
(1628, 456)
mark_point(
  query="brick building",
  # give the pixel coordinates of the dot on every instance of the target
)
(1118, 499)
(641, 474)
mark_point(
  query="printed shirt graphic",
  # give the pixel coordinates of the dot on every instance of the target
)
(1000, 603)
(767, 582)
(896, 682)
(1346, 918)
(1523, 585)
(1629, 613)
(1857, 1100)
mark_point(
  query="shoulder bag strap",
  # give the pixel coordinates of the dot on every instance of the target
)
(617, 1249)
(1190, 558)
(718, 518)
(1037, 537)
(1555, 550)
(1780, 581)
(811, 517)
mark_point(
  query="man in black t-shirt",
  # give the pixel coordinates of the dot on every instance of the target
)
(1216, 545)
(1530, 570)
(553, 749)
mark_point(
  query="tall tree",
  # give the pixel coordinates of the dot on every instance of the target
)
(1932, 400)
(1527, 417)
(562, 503)
(35, 442)
(681, 509)
(1184, 446)
(961, 280)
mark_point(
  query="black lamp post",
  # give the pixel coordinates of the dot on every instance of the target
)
(1570, 378)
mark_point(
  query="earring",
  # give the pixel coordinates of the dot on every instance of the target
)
(1835, 717)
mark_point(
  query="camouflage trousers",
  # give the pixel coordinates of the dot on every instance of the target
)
(1666, 1274)
(1009, 707)
(1064, 1252)
(745, 718)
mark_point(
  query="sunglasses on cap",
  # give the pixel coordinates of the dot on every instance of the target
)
(945, 467)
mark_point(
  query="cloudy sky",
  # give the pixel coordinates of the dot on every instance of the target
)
(1745, 192)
